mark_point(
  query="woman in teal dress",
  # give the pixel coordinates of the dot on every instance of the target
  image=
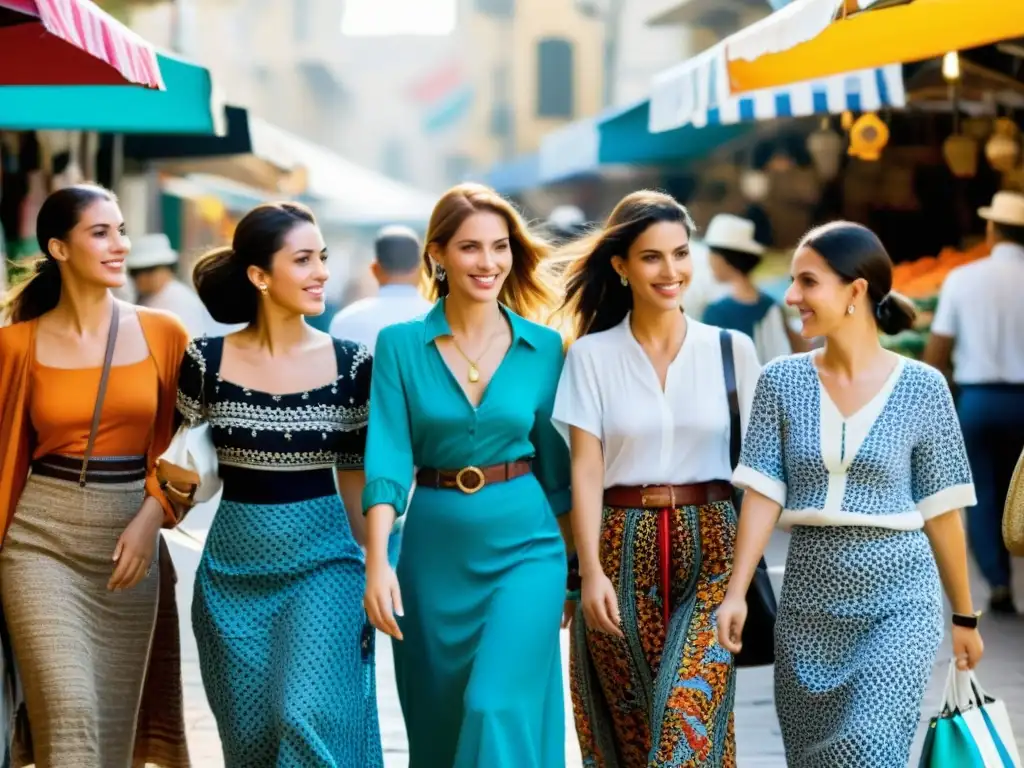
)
(464, 395)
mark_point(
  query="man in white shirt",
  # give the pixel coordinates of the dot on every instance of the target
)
(978, 330)
(152, 264)
(397, 270)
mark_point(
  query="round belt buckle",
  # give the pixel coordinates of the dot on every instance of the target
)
(460, 481)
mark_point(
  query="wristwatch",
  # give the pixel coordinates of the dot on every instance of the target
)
(968, 620)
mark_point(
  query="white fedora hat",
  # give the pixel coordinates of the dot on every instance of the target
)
(732, 233)
(151, 251)
(1006, 208)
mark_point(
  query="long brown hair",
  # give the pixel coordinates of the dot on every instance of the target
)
(527, 290)
(38, 291)
(595, 298)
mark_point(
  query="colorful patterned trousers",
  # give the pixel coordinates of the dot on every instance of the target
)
(662, 695)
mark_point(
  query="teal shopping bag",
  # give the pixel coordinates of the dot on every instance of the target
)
(971, 731)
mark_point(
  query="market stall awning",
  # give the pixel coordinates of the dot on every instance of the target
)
(71, 42)
(346, 193)
(818, 38)
(620, 137)
(190, 104)
(514, 176)
(696, 93)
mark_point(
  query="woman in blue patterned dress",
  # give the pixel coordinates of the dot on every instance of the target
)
(861, 451)
(285, 652)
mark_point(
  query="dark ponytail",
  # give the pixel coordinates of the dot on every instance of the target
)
(38, 291)
(595, 297)
(854, 252)
(221, 276)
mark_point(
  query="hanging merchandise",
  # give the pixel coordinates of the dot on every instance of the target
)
(754, 185)
(961, 154)
(1003, 150)
(868, 137)
(825, 147)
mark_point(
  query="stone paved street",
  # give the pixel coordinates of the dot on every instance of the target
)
(759, 741)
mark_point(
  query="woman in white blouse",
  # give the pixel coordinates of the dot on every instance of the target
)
(642, 401)
(861, 452)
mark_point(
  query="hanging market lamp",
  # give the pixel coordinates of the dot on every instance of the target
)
(71, 42)
(797, 43)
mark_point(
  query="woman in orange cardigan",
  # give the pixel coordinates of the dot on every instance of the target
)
(80, 592)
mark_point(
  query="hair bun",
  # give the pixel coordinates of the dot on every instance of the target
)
(895, 313)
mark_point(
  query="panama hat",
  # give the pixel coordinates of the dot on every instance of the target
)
(151, 251)
(732, 233)
(1006, 208)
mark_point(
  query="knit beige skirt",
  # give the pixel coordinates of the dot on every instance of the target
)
(81, 650)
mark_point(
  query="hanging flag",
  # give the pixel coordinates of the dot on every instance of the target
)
(445, 96)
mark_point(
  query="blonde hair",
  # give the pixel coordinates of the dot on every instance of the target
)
(528, 290)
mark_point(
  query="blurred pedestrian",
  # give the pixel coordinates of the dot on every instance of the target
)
(859, 450)
(978, 331)
(734, 255)
(464, 395)
(87, 386)
(152, 265)
(643, 403)
(397, 270)
(286, 655)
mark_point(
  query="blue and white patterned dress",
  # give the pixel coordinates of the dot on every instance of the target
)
(860, 616)
(285, 650)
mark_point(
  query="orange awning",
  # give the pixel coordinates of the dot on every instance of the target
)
(917, 30)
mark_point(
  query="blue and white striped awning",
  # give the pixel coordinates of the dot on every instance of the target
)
(696, 93)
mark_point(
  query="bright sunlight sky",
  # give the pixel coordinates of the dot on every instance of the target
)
(365, 18)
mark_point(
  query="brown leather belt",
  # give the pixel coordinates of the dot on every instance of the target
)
(472, 479)
(667, 496)
(100, 470)
(662, 499)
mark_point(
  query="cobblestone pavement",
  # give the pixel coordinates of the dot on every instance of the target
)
(759, 742)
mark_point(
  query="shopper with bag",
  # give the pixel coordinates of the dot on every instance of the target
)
(285, 652)
(87, 391)
(861, 452)
(644, 402)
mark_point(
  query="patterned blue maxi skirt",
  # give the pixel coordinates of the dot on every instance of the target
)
(860, 622)
(286, 662)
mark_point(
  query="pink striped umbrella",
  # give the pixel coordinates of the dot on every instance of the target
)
(71, 42)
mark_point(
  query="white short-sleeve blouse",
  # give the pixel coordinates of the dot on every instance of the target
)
(610, 389)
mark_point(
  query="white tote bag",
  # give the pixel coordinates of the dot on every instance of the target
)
(187, 470)
(972, 731)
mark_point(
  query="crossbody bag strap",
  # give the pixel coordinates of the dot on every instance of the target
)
(729, 368)
(108, 359)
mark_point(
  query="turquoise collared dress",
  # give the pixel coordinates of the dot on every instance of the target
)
(482, 575)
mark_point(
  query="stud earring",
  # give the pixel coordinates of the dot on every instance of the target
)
(849, 310)
(263, 288)
(623, 279)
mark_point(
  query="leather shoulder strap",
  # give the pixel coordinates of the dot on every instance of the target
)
(729, 368)
(108, 359)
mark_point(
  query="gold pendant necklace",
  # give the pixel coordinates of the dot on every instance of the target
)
(473, 374)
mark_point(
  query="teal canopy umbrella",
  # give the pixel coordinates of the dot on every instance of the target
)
(189, 105)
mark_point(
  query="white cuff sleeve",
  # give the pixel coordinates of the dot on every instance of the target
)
(747, 478)
(946, 500)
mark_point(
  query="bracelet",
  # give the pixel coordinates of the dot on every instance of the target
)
(572, 595)
(966, 620)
